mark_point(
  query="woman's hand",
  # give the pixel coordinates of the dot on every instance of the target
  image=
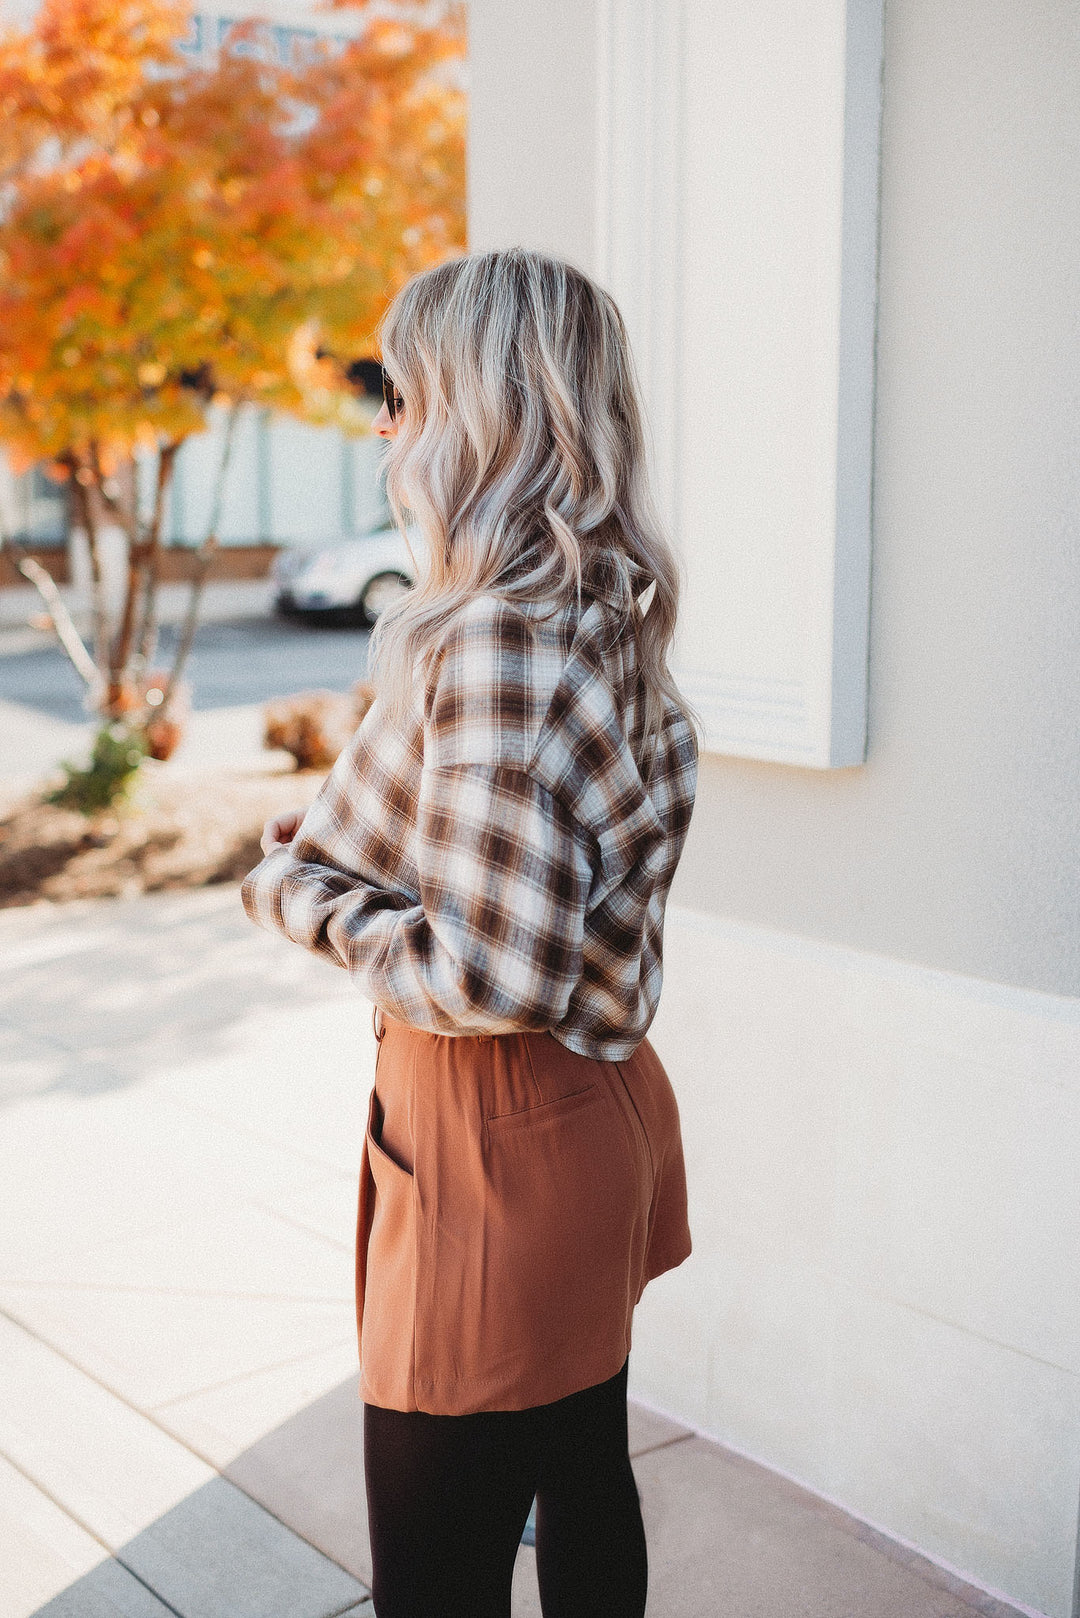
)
(279, 832)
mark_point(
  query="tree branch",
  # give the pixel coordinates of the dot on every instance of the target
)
(68, 635)
(109, 501)
(204, 558)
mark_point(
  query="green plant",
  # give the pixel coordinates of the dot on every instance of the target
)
(117, 755)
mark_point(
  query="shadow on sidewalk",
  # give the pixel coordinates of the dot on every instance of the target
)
(109, 990)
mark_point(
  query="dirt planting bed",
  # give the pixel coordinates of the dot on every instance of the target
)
(177, 832)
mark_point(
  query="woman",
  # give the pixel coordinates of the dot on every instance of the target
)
(490, 860)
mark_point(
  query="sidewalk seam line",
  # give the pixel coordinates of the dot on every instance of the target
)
(230, 1381)
(666, 1443)
(157, 1595)
(172, 1437)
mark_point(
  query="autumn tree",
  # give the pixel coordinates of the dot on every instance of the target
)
(174, 235)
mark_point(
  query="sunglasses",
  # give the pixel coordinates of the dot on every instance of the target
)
(391, 397)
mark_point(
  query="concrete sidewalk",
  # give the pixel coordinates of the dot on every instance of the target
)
(180, 1431)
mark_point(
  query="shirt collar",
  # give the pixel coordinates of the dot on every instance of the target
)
(601, 580)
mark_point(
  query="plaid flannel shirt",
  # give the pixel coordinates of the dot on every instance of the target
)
(498, 864)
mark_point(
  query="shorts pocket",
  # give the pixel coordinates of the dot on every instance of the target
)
(543, 1113)
(388, 1304)
(552, 1243)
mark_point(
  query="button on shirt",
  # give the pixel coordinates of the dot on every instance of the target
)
(496, 862)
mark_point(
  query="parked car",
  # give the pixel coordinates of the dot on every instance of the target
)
(344, 580)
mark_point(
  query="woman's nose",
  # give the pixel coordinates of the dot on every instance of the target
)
(384, 425)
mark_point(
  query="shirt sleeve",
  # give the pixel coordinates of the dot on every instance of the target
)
(492, 940)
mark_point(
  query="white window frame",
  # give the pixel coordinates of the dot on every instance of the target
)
(765, 485)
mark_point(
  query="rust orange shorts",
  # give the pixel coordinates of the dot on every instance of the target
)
(515, 1198)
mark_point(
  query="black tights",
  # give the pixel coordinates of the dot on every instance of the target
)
(448, 1498)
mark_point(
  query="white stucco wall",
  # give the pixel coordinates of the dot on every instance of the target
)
(882, 1297)
(532, 127)
(958, 843)
(870, 1011)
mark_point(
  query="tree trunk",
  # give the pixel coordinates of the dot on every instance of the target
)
(146, 637)
(87, 520)
(120, 697)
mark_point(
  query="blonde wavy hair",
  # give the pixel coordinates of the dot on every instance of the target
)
(520, 457)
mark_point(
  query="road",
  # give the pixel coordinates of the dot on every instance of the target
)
(241, 661)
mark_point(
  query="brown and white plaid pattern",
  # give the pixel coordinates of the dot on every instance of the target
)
(499, 865)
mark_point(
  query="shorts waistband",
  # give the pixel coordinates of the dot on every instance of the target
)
(379, 1020)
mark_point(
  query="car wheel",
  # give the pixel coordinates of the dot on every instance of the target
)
(381, 592)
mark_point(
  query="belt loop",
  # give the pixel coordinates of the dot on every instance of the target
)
(379, 1032)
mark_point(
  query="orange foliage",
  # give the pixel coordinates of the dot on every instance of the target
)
(194, 219)
(176, 234)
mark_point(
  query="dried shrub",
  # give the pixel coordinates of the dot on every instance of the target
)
(314, 726)
(163, 727)
(164, 734)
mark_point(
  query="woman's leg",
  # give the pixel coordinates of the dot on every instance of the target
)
(448, 1497)
(590, 1542)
